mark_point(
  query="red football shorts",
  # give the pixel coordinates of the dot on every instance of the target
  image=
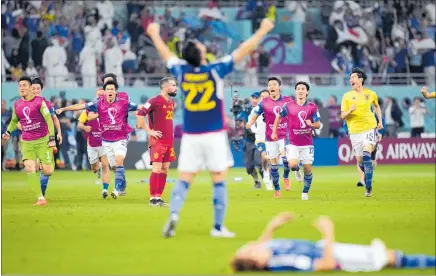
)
(162, 154)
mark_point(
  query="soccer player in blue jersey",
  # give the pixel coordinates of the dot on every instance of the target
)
(293, 255)
(205, 142)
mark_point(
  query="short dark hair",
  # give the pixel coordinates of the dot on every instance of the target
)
(165, 80)
(192, 54)
(360, 73)
(275, 79)
(38, 81)
(245, 265)
(25, 78)
(111, 82)
(303, 83)
(264, 91)
(109, 75)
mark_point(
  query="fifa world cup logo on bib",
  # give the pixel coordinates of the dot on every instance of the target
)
(302, 115)
(112, 112)
(277, 109)
(26, 113)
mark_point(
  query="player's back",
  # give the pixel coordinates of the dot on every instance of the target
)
(292, 255)
(361, 119)
(203, 88)
(161, 118)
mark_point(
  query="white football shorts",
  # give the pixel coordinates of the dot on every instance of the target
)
(112, 149)
(94, 154)
(360, 140)
(305, 154)
(360, 258)
(210, 151)
(274, 148)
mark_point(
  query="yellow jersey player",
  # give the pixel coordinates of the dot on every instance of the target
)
(426, 94)
(361, 123)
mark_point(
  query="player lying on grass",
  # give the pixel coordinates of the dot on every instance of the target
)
(270, 107)
(160, 111)
(356, 111)
(112, 113)
(205, 141)
(294, 255)
(380, 134)
(302, 117)
(37, 140)
(427, 94)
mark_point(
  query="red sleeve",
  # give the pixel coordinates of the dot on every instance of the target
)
(147, 108)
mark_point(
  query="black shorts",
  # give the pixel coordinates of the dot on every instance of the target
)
(252, 156)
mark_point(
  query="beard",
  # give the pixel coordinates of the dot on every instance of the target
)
(172, 94)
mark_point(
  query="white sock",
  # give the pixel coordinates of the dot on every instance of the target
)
(41, 198)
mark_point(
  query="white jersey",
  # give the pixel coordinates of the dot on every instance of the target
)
(259, 127)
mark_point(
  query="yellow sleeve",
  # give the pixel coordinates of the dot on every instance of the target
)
(83, 117)
(344, 105)
(433, 95)
(374, 99)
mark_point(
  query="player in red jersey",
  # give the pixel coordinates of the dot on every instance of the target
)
(160, 110)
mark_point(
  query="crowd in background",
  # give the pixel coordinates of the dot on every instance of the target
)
(87, 38)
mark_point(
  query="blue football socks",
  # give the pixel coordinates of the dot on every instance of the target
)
(178, 196)
(219, 204)
(307, 182)
(286, 168)
(43, 180)
(368, 169)
(119, 177)
(414, 261)
(274, 171)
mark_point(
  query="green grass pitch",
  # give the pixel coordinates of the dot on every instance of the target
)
(78, 232)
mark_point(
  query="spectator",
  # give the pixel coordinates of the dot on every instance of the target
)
(32, 22)
(62, 28)
(93, 35)
(31, 70)
(39, 44)
(5, 65)
(334, 116)
(53, 61)
(342, 64)
(24, 48)
(113, 61)
(11, 42)
(134, 29)
(427, 47)
(298, 10)
(77, 42)
(146, 18)
(251, 71)
(115, 29)
(106, 11)
(392, 114)
(417, 114)
(124, 41)
(415, 57)
(264, 60)
(9, 16)
(88, 66)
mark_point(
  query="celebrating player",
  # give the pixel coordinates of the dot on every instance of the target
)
(356, 111)
(205, 142)
(38, 138)
(259, 129)
(427, 94)
(279, 255)
(96, 153)
(270, 107)
(302, 116)
(112, 117)
(380, 134)
(37, 87)
(160, 110)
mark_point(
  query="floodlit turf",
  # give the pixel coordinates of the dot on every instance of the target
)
(80, 233)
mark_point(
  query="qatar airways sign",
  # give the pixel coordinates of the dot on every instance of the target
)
(394, 151)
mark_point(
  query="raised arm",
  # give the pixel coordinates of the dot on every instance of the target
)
(249, 45)
(327, 262)
(426, 94)
(153, 32)
(275, 223)
(74, 107)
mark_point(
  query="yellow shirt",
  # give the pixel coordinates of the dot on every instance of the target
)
(83, 118)
(361, 119)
